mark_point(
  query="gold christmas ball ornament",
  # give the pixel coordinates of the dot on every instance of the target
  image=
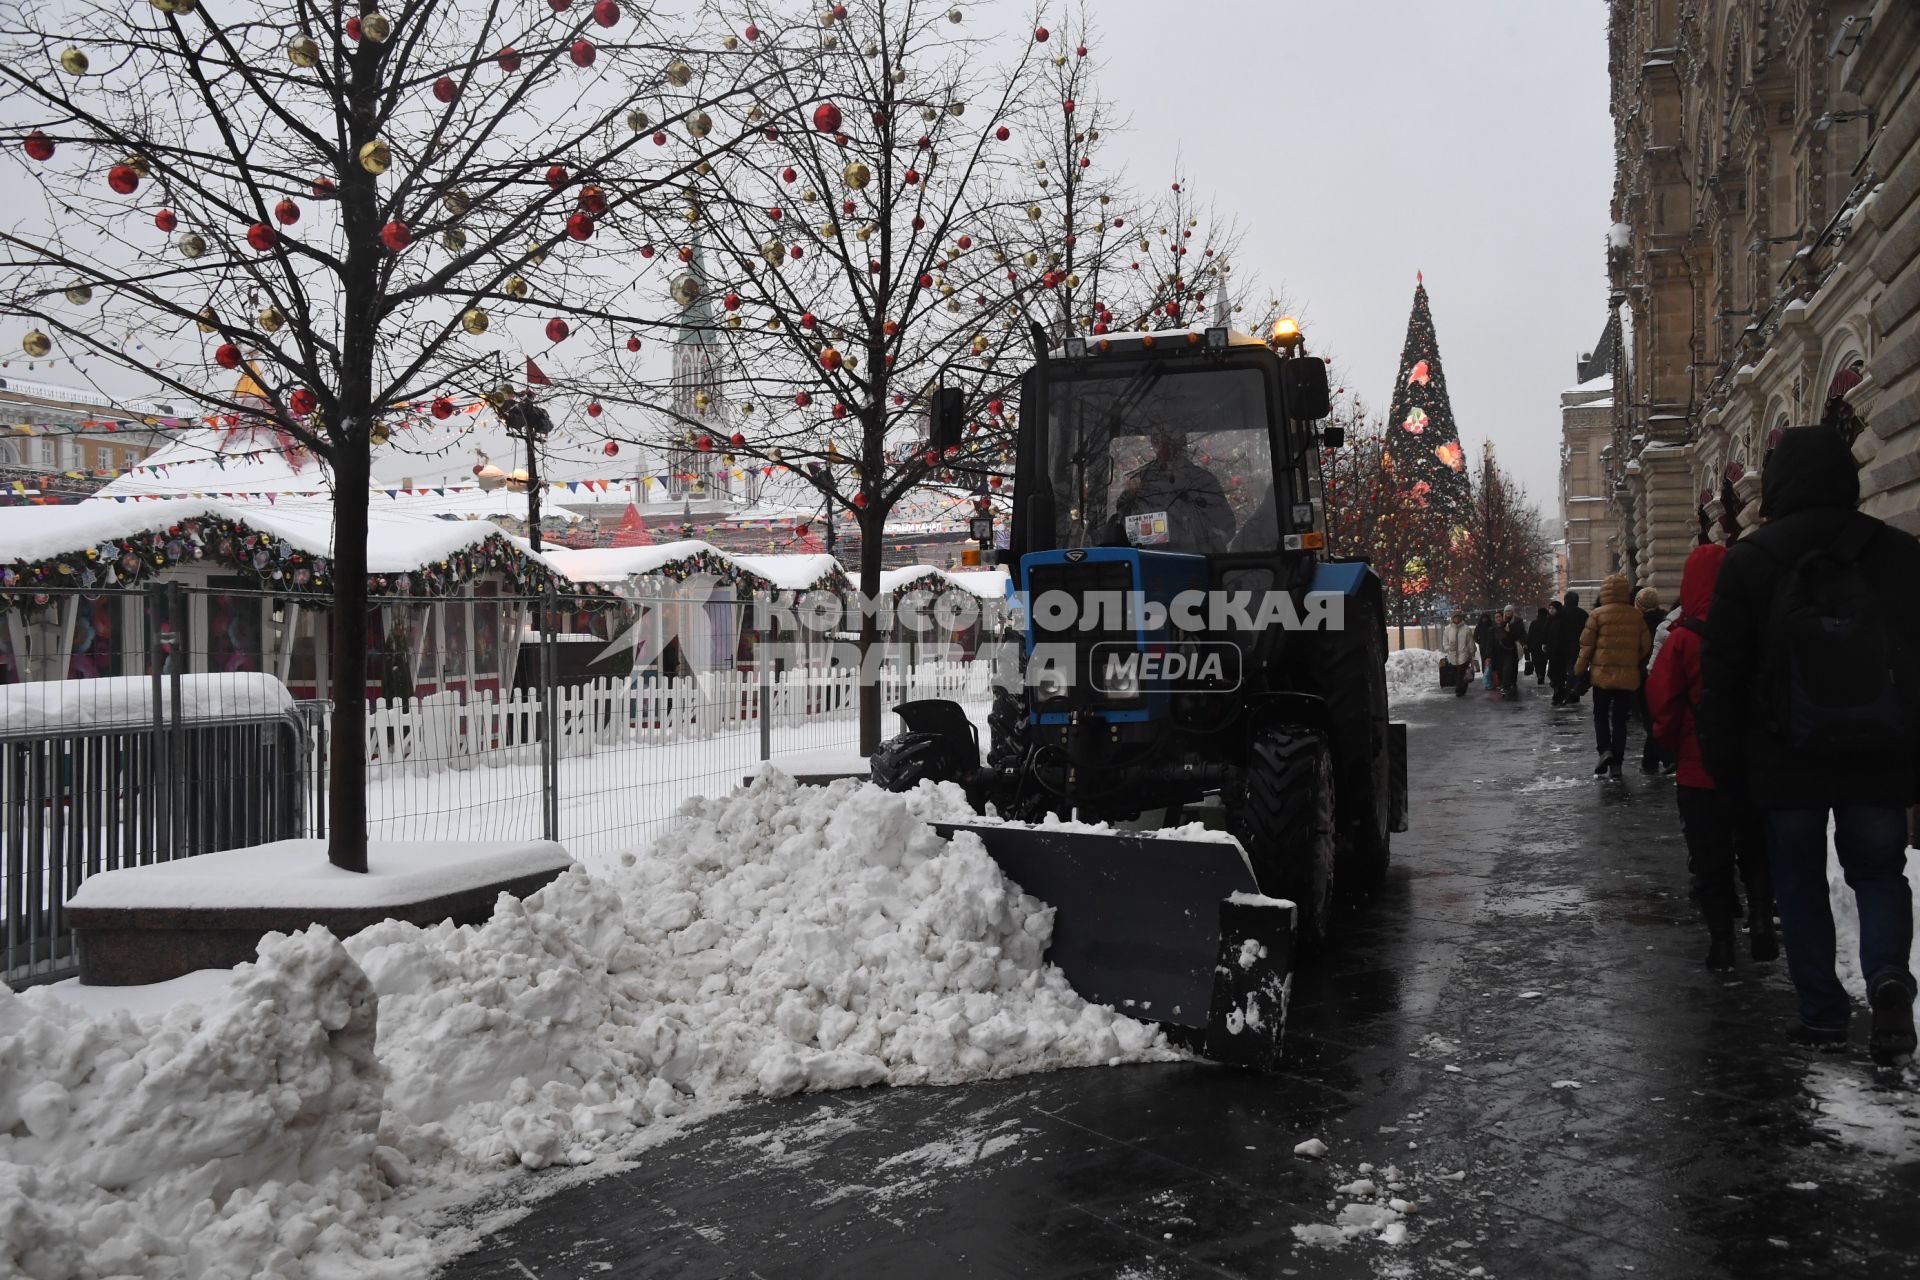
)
(209, 320)
(857, 175)
(139, 164)
(686, 290)
(928, 113)
(755, 115)
(954, 15)
(1029, 259)
(679, 73)
(829, 42)
(637, 120)
(872, 50)
(1073, 280)
(733, 321)
(73, 62)
(810, 195)
(863, 234)
(181, 7)
(79, 294)
(1033, 212)
(956, 108)
(303, 51)
(828, 230)
(773, 251)
(457, 201)
(702, 401)
(191, 245)
(899, 75)
(36, 343)
(517, 287)
(535, 255)
(272, 319)
(704, 169)
(700, 125)
(730, 43)
(475, 321)
(376, 156)
(453, 240)
(376, 28)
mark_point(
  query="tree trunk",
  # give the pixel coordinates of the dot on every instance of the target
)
(347, 784)
(871, 712)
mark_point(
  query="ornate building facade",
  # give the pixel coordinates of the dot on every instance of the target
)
(1586, 431)
(1763, 258)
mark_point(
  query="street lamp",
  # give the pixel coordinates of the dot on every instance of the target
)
(529, 423)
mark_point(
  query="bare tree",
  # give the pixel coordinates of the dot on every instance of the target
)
(355, 204)
(1505, 557)
(861, 254)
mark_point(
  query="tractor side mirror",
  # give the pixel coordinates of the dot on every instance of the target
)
(1303, 383)
(1333, 437)
(943, 419)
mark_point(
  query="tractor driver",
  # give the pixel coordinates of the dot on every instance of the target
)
(1190, 499)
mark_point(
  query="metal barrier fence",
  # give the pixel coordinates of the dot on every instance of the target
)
(158, 724)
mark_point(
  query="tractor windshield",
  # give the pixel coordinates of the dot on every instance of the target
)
(1169, 455)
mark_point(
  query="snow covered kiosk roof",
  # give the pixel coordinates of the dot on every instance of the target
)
(681, 560)
(987, 584)
(40, 706)
(103, 544)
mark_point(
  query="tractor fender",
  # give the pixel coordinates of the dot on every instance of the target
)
(1307, 710)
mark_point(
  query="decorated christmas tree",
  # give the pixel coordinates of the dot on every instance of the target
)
(1424, 457)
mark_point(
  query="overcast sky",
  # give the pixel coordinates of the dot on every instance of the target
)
(1361, 141)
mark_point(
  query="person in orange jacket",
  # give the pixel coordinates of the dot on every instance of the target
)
(1613, 644)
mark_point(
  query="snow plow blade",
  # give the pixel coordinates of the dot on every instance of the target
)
(1163, 930)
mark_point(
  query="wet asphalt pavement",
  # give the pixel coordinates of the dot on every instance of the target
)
(1536, 935)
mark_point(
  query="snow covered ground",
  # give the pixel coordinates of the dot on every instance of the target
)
(323, 1111)
(1412, 673)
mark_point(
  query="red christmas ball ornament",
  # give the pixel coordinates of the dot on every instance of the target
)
(396, 235)
(509, 59)
(1039, 35)
(38, 145)
(839, 410)
(774, 213)
(994, 407)
(1119, 222)
(446, 88)
(1099, 327)
(994, 481)
(860, 500)
(227, 356)
(826, 118)
(926, 143)
(873, 266)
(800, 530)
(1068, 105)
(353, 28)
(965, 242)
(802, 399)
(807, 320)
(302, 402)
(593, 411)
(686, 253)
(879, 119)
(788, 175)
(559, 6)
(261, 237)
(582, 52)
(123, 178)
(926, 280)
(1085, 161)
(557, 330)
(920, 224)
(1176, 186)
(443, 409)
(593, 200)
(737, 440)
(580, 226)
(165, 220)
(556, 176)
(646, 251)
(609, 448)
(1003, 133)
(830, 360)
(840, 11)
(286, 213)
(606, 12)
(913, 177)
(752, 32)
(633, 343)
(731, 302)
(1081, 52)
(323, 188)
(846, 206)
(660, 138)
(704, 444)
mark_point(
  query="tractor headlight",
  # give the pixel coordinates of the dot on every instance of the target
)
(1049, 686)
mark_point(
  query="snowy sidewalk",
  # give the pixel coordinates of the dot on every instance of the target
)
(1517, 1045)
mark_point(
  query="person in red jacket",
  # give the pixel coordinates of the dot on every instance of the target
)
(1721, 827)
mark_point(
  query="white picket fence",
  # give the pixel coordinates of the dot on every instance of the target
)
(454, 731)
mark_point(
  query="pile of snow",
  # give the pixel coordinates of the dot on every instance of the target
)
(1378, 1203)
(1412, 672)
(781, 939)
(54, 706)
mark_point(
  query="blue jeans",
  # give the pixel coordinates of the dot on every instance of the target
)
(1872, 846)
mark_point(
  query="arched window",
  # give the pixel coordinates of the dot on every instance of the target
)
(1839, 412)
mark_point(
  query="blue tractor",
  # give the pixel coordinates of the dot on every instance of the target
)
(1188, 652)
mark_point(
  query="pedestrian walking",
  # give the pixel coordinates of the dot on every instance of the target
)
(1565, 644)
(1720, 825)
(1808, 680)
(1485, 640)
(1539, 634)
(1654, 758)
(1613, 644)
(1457, 649)
(1512, 642)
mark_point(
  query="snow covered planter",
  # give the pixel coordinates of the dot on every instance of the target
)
(780, 939)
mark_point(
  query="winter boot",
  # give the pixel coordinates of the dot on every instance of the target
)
(1892, 1037)
(1720, 951)
(1606, 763)
(1826, 1039)
(1613, 771)
(1762, 941)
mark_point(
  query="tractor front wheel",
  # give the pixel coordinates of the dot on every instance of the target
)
(1285, 822)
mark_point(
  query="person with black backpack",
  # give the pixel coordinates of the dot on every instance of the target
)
(1809, 694)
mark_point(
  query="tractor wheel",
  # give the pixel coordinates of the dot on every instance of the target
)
(1008, 744)
(1285, 822)
(1353, 678)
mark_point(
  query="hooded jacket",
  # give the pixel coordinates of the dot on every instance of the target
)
(1615, 640)
(1538, 634)
(1809, 490)
(1673, 686)
(1563, 641)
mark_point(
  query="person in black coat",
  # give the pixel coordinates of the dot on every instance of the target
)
(1754, 697)
(1539, 636)
(1486, 639)
(1564, 649)
(1511, 642)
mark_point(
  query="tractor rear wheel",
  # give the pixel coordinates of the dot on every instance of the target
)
(1353, 679)
(1285, 822)
(1008, 747)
